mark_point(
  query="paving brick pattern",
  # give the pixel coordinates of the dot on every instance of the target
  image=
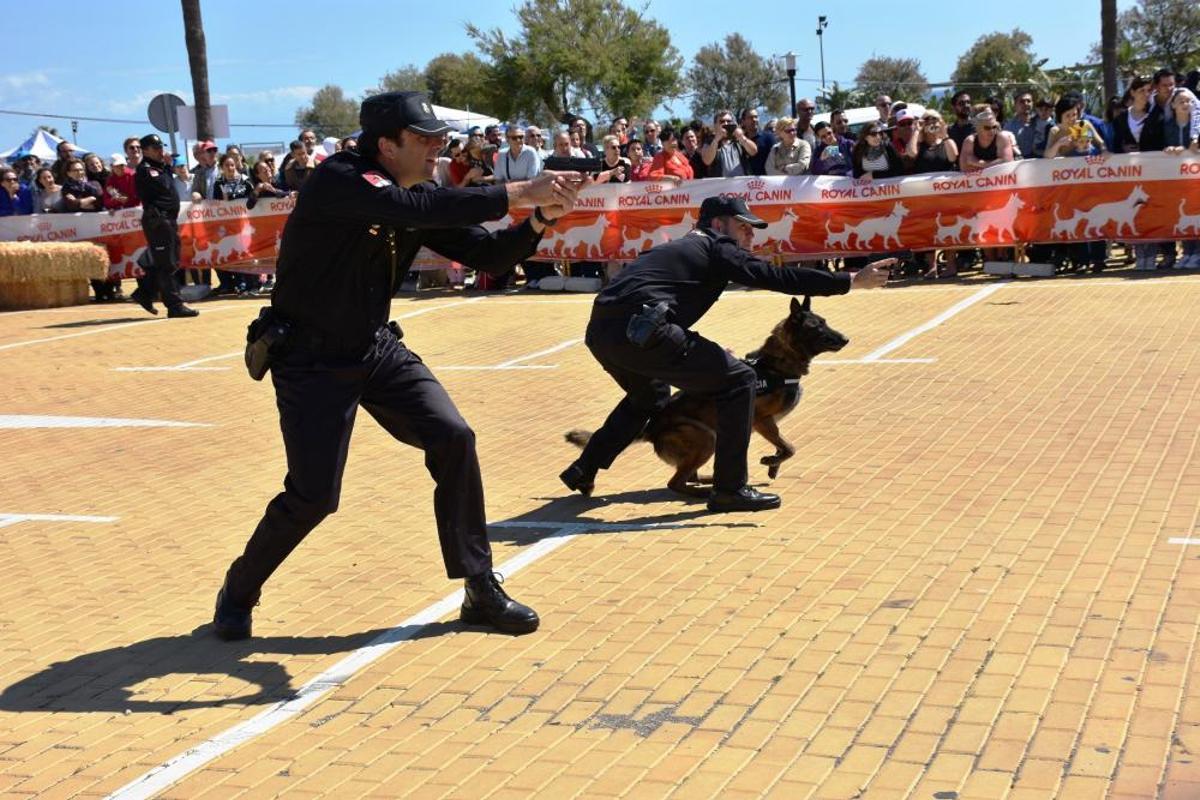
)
(969, 591)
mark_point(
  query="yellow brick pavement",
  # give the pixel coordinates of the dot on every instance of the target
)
(969, 588)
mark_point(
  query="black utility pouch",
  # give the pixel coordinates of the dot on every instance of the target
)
(644, 326)
(266, 338)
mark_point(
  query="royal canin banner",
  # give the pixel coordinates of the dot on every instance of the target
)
(1131, 198)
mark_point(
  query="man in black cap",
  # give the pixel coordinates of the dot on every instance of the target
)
(358, 222)
(160, 211)
(639, 332)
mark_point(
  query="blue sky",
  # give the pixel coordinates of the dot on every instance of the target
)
(267, 58)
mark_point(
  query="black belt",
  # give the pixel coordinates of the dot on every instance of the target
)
(328, 344)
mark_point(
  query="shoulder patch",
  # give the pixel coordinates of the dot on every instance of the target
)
(376, 180)
(153, 173)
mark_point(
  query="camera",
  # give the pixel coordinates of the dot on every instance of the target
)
(730, 128)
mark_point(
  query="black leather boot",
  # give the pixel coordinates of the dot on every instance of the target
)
(577, 479)
(144, 298)
(744, 499)
(182, 311)
(486, 603)
(230, 620)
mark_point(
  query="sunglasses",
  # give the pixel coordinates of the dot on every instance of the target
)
(991, 127)
(789, 130)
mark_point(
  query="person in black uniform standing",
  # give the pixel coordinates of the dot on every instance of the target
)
(160, 211)
(358, 223)
(639, 332)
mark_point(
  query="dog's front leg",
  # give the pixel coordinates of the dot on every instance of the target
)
(769, 430)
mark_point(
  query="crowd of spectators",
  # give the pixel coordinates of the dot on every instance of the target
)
(1158, 112)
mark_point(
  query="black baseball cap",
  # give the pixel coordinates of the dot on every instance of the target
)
(392, 110)
(150, 140)
(724, 205)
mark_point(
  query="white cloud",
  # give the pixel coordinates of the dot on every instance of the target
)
(276, 95)
(24, 80)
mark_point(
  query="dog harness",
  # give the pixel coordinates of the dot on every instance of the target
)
(767, 381)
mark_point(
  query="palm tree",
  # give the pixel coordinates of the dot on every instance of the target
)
(1108, 45)
(193, 34)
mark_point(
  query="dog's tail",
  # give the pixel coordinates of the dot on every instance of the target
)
(578, 437)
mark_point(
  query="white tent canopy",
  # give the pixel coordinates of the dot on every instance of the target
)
(463, 119)
(42, 144)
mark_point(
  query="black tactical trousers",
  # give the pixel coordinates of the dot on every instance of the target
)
(317, 399)
(680, 358)
(162, 242)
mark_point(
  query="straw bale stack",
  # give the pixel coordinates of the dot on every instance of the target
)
(48, 274)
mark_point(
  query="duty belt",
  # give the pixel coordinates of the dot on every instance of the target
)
(326, 344)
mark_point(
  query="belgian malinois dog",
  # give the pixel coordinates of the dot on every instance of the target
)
(684, 431)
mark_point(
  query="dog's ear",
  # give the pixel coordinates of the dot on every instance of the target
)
(795, 307)
(807, 304)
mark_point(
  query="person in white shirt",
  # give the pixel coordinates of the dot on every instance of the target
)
(517, 162)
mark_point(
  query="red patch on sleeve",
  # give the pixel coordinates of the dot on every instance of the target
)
(376, 180)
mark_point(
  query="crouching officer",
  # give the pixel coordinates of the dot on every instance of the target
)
(639, 332)
(160, 212)
(358, 222)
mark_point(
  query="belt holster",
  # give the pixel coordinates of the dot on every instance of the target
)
(266, 340)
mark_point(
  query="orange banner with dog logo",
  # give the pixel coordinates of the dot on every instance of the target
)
(1133, 198)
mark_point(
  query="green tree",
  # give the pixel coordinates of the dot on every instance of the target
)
(457, 81)
(734, 76)
(1000, 64)
(593, 56)
(1162, 33)
(839, 98)
(405, 79)
(331, 113)
(898, 78)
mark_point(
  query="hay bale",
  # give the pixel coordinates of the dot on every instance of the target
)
(48, 274)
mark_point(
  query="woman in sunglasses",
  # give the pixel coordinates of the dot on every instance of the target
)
(936, 152)
(874, 156)
(791, 155)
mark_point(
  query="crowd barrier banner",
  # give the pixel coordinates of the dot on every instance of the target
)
(1131, 198)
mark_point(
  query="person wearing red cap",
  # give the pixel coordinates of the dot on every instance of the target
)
(358, 223)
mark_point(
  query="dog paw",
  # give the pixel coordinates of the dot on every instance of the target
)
(770, 461)
(773, 471)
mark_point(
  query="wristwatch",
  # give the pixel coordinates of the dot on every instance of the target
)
(540, 217)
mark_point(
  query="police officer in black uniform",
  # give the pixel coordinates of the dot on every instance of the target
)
(639, 332)
(347, 246)
(160, 212)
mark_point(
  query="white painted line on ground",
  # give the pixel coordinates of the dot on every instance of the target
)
(172, 369)
(193, 366)
(104, 329)
(23, 421)
(820, 361)
(957, 308)
(1182, 540)
(179, 767)
(484, 367)
(187, 762)
(540, 353)
(12, 519)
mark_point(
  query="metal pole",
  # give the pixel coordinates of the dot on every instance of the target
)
(75, 131)
(822, 24)
(789, 62)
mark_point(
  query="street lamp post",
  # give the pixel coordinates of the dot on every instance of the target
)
(789, 60)
(822, 24)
